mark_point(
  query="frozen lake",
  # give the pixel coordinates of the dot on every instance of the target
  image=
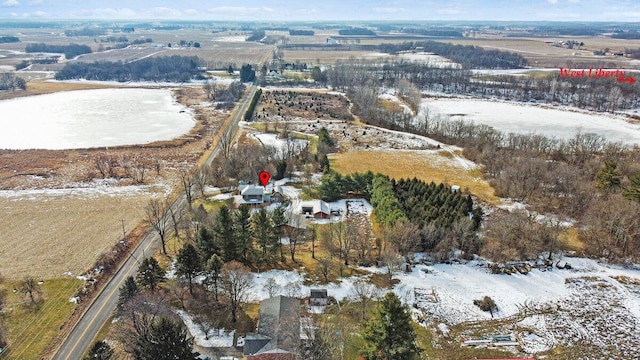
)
(521, 118)
(92, 118)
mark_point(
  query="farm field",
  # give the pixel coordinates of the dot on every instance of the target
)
(553, 122)
(41, 227)
(427, 165)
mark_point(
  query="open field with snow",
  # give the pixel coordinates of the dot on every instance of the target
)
(520, 118)
(92, 118)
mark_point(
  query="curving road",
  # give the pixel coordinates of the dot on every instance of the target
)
(85, 330)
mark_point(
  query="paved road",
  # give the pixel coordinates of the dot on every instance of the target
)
(86, 329)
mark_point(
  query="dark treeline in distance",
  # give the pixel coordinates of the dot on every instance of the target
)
(85, 32)
(168, 68)
(10, 82)
(301, 32)
(256, 35)
(356, 32)
(70, 51)
(469, 56)
(8, 39)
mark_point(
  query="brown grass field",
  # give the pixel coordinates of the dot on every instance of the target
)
(47, 236)
(427, 166)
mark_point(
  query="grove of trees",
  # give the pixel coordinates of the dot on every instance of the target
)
(70, 51)
(163, 68)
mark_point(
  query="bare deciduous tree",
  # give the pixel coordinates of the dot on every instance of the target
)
(236, 282)
(156, 217)
(363, 291)
(30, 289)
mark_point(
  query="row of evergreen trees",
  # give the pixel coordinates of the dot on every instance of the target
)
(239, 235)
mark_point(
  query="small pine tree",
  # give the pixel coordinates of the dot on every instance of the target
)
(150, 274)
(632, 192)
(608, 178)
(224, 234)
(213, 271)
(165, 340)
(100, 351)
(188, 264)
(389, 335)
(127, 291)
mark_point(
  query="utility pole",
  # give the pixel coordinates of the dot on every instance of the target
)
(124, 233)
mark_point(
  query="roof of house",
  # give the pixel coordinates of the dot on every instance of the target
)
(280, 320)
(318, 292)
(317, 206)
(252, 191)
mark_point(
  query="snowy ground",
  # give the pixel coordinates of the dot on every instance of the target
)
(92, 118)
(521, 118)
(216, 338)
(282, 145)
(591, 303)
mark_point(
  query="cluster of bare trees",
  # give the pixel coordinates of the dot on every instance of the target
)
(136, 168)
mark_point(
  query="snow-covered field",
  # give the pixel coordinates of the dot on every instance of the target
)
(520, 118)
(92, 118)
(282, 145)
(591, 303)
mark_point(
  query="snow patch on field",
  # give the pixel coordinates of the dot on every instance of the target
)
(93, 190)
(526, 119)
(215, 338)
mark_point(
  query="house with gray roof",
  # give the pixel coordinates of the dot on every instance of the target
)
(278, 333)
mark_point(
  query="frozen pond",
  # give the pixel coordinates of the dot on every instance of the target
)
(520, 118)
(92, 118)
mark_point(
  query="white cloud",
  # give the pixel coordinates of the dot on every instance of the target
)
(35, 3)
(240, 10)
(574, 1)
(13, 14)
(388, 10)
(552, 1)
(107, 13)
(191, 12)
(164, 12)
(11, 3)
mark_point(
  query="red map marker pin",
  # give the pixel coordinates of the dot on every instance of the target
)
(264, 178)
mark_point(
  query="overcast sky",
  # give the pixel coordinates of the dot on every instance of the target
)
(310, 10)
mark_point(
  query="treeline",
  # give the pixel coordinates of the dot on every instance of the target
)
(301, 32)
(354, 31)
(166, 68)
(588, 93)
(85, 32)
(10, 82)
(254, 100)
(629, 35)
(70, 51)
(256, 35)
(239, 235)
(8, 39)
(469, 56)
(434, 32)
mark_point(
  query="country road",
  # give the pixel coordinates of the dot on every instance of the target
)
(85, 330)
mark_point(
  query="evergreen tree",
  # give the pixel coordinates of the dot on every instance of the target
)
(632, 192)
(206, 243)
(608, 178)
(278, 221)
(150, 274)
(261, 223)
(100, 351)
(243, 235)
(224, 234)
(128, 290)
(389, 334)
(324, 138)
(213, 270)
(165, 340)
(188, 264)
